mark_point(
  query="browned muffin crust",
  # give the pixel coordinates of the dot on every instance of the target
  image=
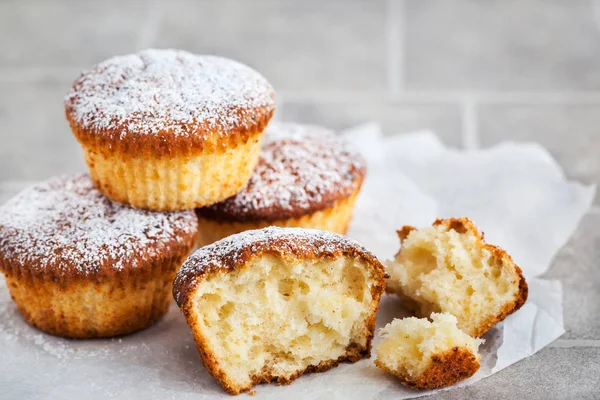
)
(131, 300)
(63, 230)
(235, 251)
(80, 266)
(169, 101)
(462, 225)
(354, 353)
(335, 219)
(302, 169)
(446, 369)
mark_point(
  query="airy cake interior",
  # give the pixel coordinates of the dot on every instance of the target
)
(443, 270)
(273, 319)
(409, 344)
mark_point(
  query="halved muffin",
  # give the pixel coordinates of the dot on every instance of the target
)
(306, 177)
(427, 354)
(271, 304)
(449, 268)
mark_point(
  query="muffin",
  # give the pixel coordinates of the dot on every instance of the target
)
(78, 265)
(427, 354)
(306, 177)
(449, 268)
(271, 304)
(170, 130)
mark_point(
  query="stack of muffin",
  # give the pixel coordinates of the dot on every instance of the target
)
(176, 156)
(164, 133)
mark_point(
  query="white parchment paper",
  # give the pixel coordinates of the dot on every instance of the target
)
(516, 193)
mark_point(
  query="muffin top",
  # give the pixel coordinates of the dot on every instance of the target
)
(302, 169)
(65, 227)
(168, 95)
(237, 250)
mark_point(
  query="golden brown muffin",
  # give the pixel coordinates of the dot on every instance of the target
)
(306, 177)
(427, 354)
(170, 130)
(78, 265)
(271, 304)
(449, 268)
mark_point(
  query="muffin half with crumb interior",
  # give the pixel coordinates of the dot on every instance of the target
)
(170, 130)
(448, 267)
(78, 265)
(271, 304)
(427, 354)
(306, 177)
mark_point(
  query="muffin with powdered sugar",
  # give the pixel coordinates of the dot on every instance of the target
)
(170, 130)
(306, 177)
(81, 266)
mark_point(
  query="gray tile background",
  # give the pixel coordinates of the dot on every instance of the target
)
(476, 72)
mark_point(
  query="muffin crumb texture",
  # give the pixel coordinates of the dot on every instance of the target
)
(427, 354)
(449, 268)
(294, 301)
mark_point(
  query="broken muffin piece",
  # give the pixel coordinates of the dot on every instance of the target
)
(427, 354)
(271, 304)
(449, 268)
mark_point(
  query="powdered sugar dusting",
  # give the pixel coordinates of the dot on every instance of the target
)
(27, 341)
(167, 90)
(302, 168)
(232, 248)
(310, 239)
(66, 223)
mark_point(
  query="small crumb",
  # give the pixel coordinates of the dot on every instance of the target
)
(252, 393)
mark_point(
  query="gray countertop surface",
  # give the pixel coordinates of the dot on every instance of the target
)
(475, 72)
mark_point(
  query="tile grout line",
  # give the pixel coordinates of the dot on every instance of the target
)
(66, 74)
(150, 29)
(35, 74)
(571, 343)
(470, 131)
(595, 5)
(542, 98)
(533, 98)
(362, 96)
(395, 45)
(512, 98)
